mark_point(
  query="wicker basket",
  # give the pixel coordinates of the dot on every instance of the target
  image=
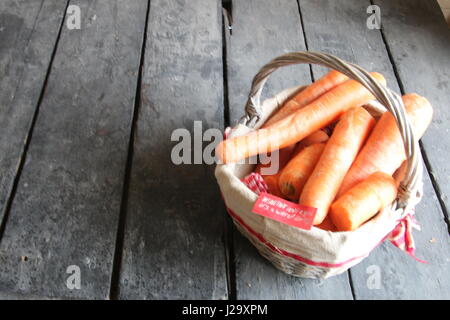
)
(315, 253)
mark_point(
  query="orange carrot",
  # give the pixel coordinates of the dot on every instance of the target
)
(318, 136)
(307, 95)
(384, 150)
(295, 174)
(363, 201)
(327, 224)
(275, 169)
(337, 157)
(277, 161)
(293, 128)
(272, 184)
(288, 108)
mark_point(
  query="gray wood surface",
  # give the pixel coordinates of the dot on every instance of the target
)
(419, 39)
(67, 205)
(339, 28)
(402, 276)
(263, 30)
(174, 244)
(28, 33)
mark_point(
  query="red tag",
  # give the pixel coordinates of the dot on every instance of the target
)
(284, 211)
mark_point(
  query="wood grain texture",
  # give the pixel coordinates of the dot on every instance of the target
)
(413, 31)
(173, 245)
(419, 40)
(28, 33)
(339, 27)
(66, 208)
(263, 30)
(402, 277)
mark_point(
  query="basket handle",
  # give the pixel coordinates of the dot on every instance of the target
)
(411, 183)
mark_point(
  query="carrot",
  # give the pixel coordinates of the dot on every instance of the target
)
(318, 136)
(295, 174)
(337, 157)
(272, 179)
(272, 167)
(272, 184)
(293, 128)
(289, 107)
(327, 224)
(384, 150)
(307, 95)
(363, 201)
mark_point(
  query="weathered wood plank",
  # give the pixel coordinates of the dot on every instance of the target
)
(263, 30)
(173, 245)
(339, 27)
(67, 205)
(28, 33)
(399, 275)
(419, 40)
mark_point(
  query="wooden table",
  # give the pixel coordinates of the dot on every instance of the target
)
(86, 117)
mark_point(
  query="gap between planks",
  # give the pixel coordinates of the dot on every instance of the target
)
(227, 34)
(118, 249)
(28, 137)
(427, 164)
(304, 37)
(228, 225)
